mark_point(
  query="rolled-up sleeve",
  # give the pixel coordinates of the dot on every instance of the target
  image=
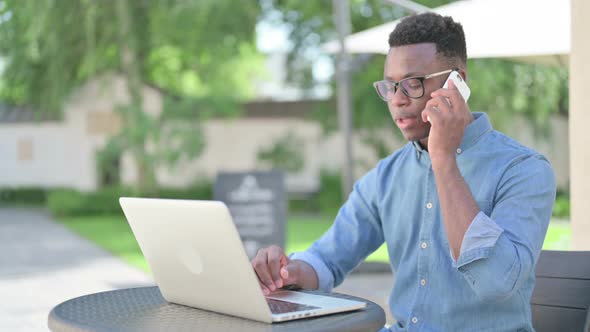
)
(480, 238)
(499, 251)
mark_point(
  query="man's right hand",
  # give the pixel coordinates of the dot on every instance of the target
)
(275, 270)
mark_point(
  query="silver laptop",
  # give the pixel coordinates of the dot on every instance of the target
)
(198, 260)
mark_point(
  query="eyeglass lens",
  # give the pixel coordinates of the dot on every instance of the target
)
(411, 87)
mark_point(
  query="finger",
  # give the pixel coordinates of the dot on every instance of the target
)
(451, 92)
(289, 274)
(431, 115)
(285, 261)
(440, 103)
(275, 256)
(260, 264)
(265, 290)
(263, 287)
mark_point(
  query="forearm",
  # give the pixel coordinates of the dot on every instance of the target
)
(458, 208)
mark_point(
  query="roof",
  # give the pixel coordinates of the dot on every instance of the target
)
(282, 109)
(21, 114)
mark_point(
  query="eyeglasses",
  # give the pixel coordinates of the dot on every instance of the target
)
(413, 87)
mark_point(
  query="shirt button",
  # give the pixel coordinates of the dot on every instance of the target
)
(423, 245)
(429, 205)
(414, 320)
(423, 282)
(459, 151)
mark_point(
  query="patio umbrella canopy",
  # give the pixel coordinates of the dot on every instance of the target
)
(536, 31)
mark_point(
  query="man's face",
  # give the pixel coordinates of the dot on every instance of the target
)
(408, 61)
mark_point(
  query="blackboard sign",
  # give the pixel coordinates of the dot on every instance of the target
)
(258, 205)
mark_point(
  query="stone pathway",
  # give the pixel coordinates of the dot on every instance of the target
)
(43, 264)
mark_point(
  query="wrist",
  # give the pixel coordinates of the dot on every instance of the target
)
(443, 160)
(307, 277)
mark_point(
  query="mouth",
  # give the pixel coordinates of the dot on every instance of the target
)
(406, 121)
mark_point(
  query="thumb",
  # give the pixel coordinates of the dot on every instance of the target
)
(425, 115)
(289, 274)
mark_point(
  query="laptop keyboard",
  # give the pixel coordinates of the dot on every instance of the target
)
(281, 307)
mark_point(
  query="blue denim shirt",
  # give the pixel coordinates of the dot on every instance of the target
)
(490, 285)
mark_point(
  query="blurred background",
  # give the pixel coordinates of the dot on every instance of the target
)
(102, 99)
(157, 97)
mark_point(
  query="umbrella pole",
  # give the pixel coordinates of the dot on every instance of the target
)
(342, 21)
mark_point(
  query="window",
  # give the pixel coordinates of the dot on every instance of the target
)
(24, 149)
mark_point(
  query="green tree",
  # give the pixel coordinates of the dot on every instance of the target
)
(286, 153)
(505, 89)
(199, 53)
(311, 24)
(501, 87)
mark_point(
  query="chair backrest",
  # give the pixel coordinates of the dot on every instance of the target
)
(561, 298)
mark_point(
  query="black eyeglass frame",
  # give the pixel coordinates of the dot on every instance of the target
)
(393, 85)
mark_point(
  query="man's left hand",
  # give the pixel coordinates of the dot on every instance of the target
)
(448, 114)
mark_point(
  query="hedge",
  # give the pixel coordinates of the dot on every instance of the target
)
(69, 202)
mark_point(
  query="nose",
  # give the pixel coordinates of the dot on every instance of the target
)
(398, 98)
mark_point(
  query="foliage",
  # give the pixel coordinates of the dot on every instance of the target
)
(69, 202)
(370, 115)
(501, 87)
(286, 153)
(23, 195)
(311, 23)
(504, 88)
(326, 201)
(561, 209)
(201, 190)
(329, 198)
(186, 49)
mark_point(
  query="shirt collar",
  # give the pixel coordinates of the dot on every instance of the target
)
(477, 128)
(419, 149)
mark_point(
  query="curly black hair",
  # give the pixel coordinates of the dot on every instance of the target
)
(447, 34)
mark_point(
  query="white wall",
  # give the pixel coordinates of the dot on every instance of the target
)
(232, 146)
(64, 153)
(57, 157)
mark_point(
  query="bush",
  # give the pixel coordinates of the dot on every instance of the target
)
(561, 209)
(66, 202)
(23, 195)
(326, 201)
(329, 198)
(303, 204)
(69, 202)
(201, 191)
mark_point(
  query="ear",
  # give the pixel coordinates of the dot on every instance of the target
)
(463, 73)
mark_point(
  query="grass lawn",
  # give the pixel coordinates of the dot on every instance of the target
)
(113, 234)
